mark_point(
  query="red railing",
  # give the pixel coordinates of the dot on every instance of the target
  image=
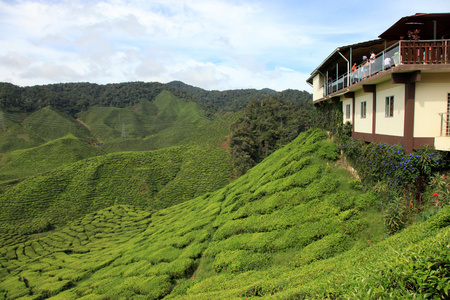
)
(424, 52)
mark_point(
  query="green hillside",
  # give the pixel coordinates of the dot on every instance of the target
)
(296, 226)
(150, 180)
(145, 125)
(19, 164)
(14, 136)
(133, 116)
(51, 124)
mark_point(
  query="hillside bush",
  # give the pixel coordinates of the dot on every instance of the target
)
(401, 179)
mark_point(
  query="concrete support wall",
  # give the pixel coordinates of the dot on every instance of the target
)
(431, 99)
(390, 125)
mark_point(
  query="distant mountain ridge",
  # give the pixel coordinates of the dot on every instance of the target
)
(73, 98)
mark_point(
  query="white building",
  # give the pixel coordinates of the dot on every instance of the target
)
(402, 94)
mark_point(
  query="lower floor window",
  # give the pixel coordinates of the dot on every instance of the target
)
(363, 109)
(390, 106)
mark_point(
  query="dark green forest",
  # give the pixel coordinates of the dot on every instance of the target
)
(73, 98)
(265, 126)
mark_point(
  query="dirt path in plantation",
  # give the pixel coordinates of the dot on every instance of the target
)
(90, 130)
(342, 162)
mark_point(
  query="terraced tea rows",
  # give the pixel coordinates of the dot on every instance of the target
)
(46, 265)
(149, 180)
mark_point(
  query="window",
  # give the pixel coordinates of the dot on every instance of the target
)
(390, 106)
(347, 111)
(363, 109)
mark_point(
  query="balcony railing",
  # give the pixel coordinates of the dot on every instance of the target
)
(403, 52)
(445, 124)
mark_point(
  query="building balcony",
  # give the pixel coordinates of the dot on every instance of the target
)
(401, 56)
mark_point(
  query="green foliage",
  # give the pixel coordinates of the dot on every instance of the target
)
(328, 117)
(292, 227)
(399, 178)
(151, 180)
(50, 124)
(20, 164)
(240, 261)
(145, 119)
(327, 247)
(265, 126)
(355, 184)
(419, 271)
(396, 215)
(388, 163)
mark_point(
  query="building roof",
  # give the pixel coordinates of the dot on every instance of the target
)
(353, 53)
(424, 22)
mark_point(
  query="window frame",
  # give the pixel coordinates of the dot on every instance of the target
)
(363, 109)
(389, 107)
(347, 111)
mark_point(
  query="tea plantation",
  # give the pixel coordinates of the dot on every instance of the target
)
(20, 164)
(296, 226)
(149, 180)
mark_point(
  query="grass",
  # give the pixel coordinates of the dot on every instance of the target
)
(293, 227)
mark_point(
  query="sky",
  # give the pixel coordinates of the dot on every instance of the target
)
(211, 44)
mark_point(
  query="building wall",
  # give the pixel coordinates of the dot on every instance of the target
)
(393, 126)
(431, 99)
(346, 102)
(363, 125)
(317, 87)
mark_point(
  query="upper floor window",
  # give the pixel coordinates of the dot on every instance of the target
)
(390, 106)
(363, 109)
(347, 111)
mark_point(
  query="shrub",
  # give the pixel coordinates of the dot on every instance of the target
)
(324, 248)
(240, 261)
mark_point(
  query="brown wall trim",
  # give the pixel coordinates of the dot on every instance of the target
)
(410, 95)
(369, 88)
(349, 95)
(393, 140)
(420, 142)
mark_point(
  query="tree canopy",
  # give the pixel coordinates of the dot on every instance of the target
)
(265, 126)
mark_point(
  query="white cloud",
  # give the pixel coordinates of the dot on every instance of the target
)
(213, 44)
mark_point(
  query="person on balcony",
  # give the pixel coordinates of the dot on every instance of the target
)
(354, 73)
(387, 63)
(364, 68)
(372, 57)
(372, 63)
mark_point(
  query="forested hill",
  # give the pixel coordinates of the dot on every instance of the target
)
(73, 98)
(235, 100)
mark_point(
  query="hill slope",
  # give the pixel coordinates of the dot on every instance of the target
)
(19, 164)
(51, 124)
(291, 228)
(145, 125)
(150, 180)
